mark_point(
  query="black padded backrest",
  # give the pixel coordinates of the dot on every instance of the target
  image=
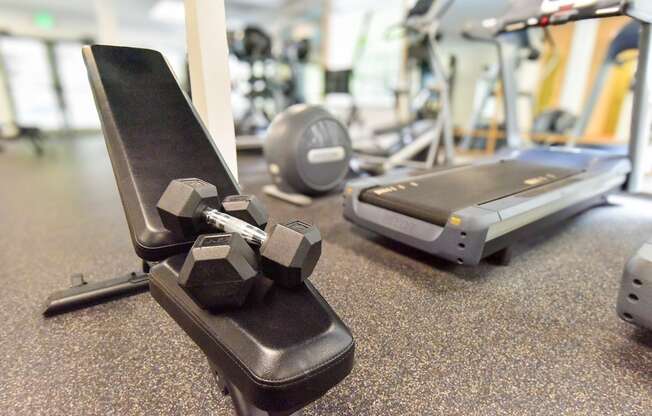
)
(153, 135)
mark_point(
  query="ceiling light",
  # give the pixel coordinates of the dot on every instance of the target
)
(489, 23)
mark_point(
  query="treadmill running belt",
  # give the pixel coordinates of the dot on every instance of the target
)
(433, 197)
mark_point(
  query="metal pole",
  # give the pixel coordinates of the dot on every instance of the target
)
(641, 121)
(58, 85)
(508, 56)
(445, 113)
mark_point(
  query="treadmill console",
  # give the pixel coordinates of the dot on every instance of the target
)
(555, 12)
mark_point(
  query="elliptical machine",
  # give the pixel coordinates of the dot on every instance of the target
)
(422, 25)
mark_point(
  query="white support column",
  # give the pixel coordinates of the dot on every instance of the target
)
(107, 22)
(508, 55)
(208, 59)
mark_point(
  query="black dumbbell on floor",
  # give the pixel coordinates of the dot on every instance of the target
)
(288, 253)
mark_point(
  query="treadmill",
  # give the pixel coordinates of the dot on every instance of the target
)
(467, 213)
(635, 296)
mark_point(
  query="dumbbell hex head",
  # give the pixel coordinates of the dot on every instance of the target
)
(181, 203)
(248, 208)
(219, 270)
(290, 253)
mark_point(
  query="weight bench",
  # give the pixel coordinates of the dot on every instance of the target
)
(284, 348)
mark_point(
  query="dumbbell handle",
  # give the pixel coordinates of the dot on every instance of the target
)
(227, 223)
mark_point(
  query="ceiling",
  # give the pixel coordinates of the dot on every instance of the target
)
(138, 10)
(136, 13)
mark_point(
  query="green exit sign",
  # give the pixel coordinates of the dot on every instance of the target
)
(44, 20)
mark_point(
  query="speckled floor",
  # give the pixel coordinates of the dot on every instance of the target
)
(537, 337)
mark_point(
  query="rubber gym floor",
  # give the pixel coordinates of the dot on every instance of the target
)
(538, 337)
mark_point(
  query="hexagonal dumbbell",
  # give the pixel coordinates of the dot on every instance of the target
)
(248, 208)
(184, 200)
(219, 270)
(289, 253)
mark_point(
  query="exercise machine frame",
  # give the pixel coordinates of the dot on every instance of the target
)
(442, 130)
(489, 227)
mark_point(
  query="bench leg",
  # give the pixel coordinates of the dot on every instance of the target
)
(83, 294)
(240, 404)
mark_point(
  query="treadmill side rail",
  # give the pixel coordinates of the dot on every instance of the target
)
(548, 203)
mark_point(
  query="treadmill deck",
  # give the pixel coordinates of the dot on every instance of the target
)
(434, 197)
